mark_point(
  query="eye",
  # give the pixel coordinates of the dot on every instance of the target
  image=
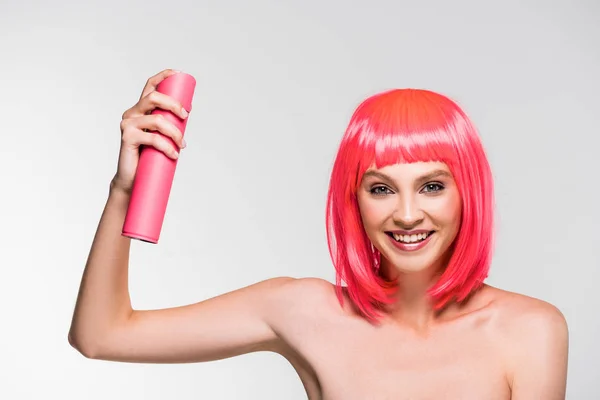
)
(433, 187)
(380, 190)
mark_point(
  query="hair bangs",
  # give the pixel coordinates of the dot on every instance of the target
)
(403, 126)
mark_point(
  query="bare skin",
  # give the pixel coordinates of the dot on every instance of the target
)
(497, 345)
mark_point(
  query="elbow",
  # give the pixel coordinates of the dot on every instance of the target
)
(95, 341)
(88, 348)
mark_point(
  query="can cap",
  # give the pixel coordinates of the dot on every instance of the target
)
(181, 87)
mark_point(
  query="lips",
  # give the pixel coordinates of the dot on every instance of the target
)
(410, 240)
(413, 236)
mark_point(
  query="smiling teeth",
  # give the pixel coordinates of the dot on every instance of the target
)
(410, 238)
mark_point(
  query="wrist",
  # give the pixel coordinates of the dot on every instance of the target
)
(118, 190)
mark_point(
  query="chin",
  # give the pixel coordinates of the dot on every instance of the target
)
(411, 265)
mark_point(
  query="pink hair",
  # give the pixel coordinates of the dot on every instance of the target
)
(405, 126)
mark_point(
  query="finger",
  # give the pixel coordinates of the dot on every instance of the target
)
(155, 80)
(158, 123)
(160, 100)
(134, 138)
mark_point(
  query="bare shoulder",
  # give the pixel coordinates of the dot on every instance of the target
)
(304, 305)
(522, 315)
(310, 294)
(297, 309)
(534, 339)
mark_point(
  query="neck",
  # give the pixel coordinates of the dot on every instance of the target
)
(413, 307)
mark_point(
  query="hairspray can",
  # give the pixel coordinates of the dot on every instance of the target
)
(155, 171)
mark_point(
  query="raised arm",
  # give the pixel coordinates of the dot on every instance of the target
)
(104, 325)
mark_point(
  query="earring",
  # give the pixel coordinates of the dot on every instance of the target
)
(376, 257)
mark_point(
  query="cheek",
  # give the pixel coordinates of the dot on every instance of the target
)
(372, 213)
(448, 211)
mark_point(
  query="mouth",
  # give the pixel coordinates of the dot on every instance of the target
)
(410, 238)
(410, 241)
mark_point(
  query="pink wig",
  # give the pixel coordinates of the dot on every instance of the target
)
(405, 126)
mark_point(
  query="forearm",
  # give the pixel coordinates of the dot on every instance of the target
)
(103, 300)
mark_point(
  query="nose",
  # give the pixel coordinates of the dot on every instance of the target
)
(408, 212)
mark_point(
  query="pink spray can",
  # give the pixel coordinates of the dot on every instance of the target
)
(155, 171)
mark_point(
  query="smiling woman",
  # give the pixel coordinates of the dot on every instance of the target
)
(410, 229)
(402, 127)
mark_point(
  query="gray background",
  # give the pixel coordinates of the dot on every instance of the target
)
(277, 82)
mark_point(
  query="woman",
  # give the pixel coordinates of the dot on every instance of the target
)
(409, 222)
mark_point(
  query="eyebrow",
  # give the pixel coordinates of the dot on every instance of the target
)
(431, 175)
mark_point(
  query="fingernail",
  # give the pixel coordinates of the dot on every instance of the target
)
(183, 143)
(184, 113)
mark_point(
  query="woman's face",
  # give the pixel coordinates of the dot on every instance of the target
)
(411, 213)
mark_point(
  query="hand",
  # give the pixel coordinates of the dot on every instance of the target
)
(136, 126)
